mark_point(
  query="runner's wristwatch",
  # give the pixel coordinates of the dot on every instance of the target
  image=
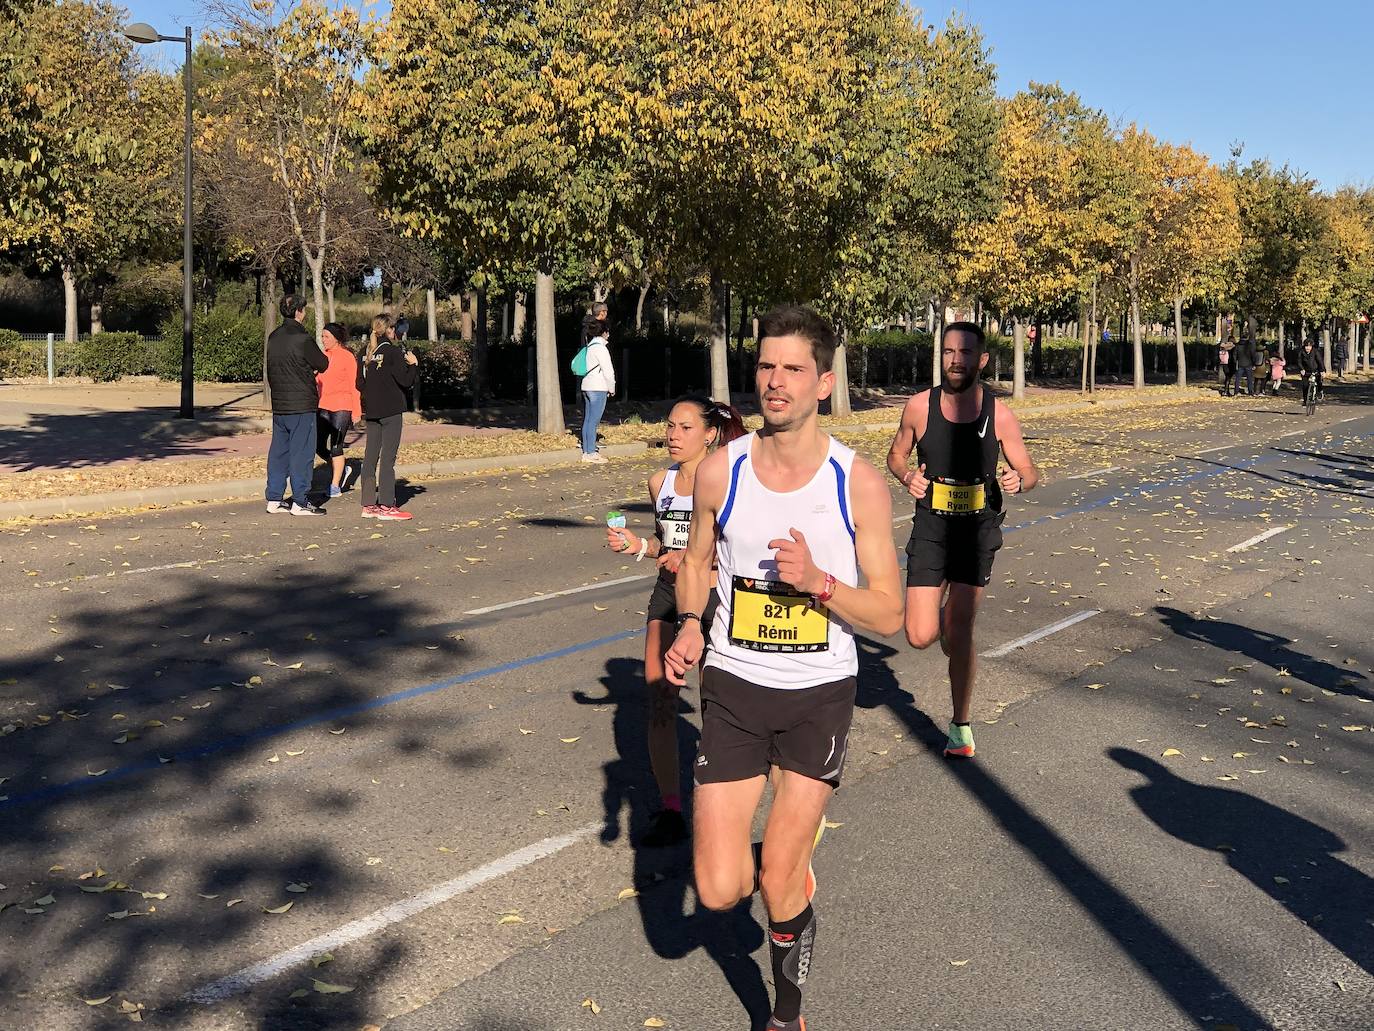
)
(682, 620)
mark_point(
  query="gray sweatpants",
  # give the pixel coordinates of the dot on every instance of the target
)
(379, 461)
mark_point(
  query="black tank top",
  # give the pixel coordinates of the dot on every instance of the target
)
(961, 453)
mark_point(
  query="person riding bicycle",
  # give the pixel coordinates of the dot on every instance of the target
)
(1310, 363)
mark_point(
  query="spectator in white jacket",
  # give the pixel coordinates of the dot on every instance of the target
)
(597, 386)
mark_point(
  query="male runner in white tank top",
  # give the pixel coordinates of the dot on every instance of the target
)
(791, 517)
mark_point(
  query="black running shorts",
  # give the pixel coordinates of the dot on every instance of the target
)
(745, 729)
(957, 549)
(663, 605)
(331, 430)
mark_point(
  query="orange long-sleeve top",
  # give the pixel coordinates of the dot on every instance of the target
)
(339, 383)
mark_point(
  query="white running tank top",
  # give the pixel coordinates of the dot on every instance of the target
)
(672, 514)
(764, 632)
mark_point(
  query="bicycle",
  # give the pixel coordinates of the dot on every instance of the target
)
(1310, 394)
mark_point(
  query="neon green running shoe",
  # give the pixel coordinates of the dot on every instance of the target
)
(960, 742)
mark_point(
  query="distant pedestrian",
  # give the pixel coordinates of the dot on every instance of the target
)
(1276, 369)
(1244, 356)
(340, 404)
(1228, 367)
(1340, 354)
(387, 370)
(597, 386)
(293, 358)
(402, 328)
(597, 321)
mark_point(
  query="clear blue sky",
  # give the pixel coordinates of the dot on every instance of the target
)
(1286, 79)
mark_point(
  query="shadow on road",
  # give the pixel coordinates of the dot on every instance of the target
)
(662, 876)
(1180, 974)
(176, 749)
(77, 440)
(1262, 843)
(1270, 649)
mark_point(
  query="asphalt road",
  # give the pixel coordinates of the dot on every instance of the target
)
(428, 739)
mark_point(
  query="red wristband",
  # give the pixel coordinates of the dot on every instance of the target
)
(826, 592)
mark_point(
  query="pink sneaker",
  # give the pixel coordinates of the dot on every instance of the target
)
(371, 511)
(383, 512)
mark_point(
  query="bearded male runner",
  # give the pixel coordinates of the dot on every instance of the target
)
(791, 517)
(957, 430)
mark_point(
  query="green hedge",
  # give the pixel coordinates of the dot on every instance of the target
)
(227, 342)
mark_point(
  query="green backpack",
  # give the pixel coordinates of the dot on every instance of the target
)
(579, 363)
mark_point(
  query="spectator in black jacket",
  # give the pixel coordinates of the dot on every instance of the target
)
(386, 371)
(1340, 352)
(293, 358)
(1244, 356)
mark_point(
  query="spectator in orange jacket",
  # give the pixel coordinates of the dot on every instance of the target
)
(340, 405)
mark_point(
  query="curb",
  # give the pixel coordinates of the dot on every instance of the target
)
(237, 490)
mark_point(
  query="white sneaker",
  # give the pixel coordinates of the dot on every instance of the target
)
(307, 509)
(278, 508)
(595, 457)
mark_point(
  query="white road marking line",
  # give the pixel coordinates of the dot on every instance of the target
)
(1043, 632)
(1096, 472)
(1342, 422)
(1294, 433)
(1244, 545)
(558, 594)
(246, 978)
(190, 564)
(1223, 447)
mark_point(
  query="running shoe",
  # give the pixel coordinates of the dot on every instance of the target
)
(335, 490)
(306, 509)
(774, 1024)
(371, 511)
(347, 475)
(668, 828)
(960, 743)
(595, 457)
(278, 508)
(392, 512)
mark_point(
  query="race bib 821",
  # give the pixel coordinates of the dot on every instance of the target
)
(768, 616)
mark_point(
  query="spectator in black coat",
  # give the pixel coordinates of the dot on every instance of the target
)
(386, 370)
(1244, 356)
(293, 359)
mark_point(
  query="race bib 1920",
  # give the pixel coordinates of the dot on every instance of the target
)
(768, 616)
(957, 498)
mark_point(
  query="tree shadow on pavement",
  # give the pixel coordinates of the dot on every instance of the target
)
(1263, 842)
(1180, 974)
(80, 439)
(177, 749)
(1270, 649)
(662, 875)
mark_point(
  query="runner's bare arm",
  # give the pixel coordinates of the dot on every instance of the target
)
(908, 433)
(694, 574)
(878, 606)
(625, 540)
(1023, 475)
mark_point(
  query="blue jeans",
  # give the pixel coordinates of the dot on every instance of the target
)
(593, 408)
(292, 453)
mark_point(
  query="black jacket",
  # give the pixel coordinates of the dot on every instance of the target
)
(1244, 355)
(1310, 362)
(384, 379)
(293, 358)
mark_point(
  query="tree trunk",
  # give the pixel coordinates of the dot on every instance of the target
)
(720, 342)
(97, 323)
(937, 327)
(1326, 345)
(1018, 369)
(599, 291)
(1137, 346)
(1178, 337)
(479, 345)
(546, 350)
(1367, 343)
(1087, 346)
(316, 266)
(505, 316)
(839, 398)
(644, 285)
(269, 322)
(518, 323)
(1093, 338)
(469, 304)
(1038, 351)
(70, 329)
(431, 315)
(667, 325)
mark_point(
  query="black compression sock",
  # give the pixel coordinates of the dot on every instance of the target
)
(790, 943)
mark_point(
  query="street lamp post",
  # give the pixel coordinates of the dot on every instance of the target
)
(141, 32)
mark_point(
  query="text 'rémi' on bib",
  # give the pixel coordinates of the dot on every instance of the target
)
(770, 616)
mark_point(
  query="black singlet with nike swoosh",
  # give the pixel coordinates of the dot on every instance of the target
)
(956, 529)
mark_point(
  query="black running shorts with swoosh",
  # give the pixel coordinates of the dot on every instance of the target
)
(745, 729)
(958, 549)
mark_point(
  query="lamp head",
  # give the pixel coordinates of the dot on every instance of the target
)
(142, 32)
